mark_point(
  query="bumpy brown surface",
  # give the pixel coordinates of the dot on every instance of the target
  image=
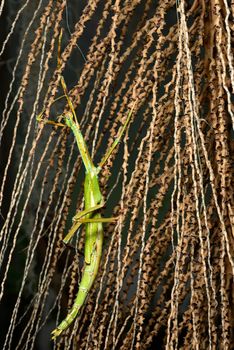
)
(166, 278)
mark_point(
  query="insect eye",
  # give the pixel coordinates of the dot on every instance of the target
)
(69, 116)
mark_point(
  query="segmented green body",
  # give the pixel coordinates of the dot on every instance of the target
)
(93, 233)
(93, 251)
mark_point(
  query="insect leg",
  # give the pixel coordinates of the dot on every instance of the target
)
(78, 221)
(117, 140)
(87, 211)
(102, 220)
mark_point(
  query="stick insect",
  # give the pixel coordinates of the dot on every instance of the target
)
(91, 215)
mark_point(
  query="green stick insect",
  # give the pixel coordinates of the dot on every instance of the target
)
(91, 215)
